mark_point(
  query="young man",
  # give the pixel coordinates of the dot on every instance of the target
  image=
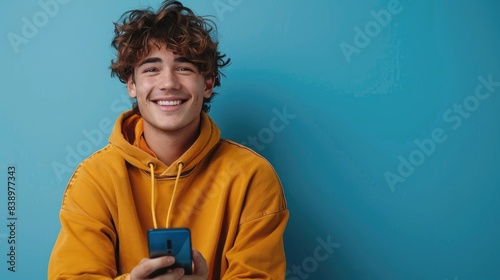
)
(166, 167)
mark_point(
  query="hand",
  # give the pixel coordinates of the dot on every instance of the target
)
(148, 266)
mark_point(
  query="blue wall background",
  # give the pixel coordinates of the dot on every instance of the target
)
(380, 116)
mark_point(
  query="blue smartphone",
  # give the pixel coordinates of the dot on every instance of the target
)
(174, 242)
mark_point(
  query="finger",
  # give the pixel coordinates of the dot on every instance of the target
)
(148, 266)
(200, 265)
(171, 274)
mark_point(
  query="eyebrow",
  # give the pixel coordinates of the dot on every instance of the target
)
(150, 60)
(183, 59)
(180, 59)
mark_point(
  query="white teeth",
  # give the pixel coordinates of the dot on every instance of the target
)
(169, 103)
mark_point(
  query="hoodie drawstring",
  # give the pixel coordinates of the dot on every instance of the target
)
(153, 189)
(180, 165)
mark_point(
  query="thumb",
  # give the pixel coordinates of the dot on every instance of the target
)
(200, 265)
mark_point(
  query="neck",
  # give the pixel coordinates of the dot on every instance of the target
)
(169, 146)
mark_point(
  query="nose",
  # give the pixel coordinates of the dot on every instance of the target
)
(169, 81)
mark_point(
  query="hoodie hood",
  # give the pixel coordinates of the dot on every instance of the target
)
(129, 126)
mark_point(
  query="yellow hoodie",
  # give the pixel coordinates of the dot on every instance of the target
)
(228, 196)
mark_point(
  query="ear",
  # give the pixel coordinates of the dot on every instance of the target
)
(209, 86)
(131, 87)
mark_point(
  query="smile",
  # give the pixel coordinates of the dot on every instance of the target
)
(169, 102)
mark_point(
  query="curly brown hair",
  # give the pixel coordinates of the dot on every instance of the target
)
(174, 26)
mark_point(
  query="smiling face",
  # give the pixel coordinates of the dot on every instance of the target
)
(170, 92)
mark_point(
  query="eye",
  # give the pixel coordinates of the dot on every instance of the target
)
(185, 69)
(150, 70)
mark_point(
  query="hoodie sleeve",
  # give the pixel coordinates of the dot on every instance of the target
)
(258, 251)
(85, 247)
